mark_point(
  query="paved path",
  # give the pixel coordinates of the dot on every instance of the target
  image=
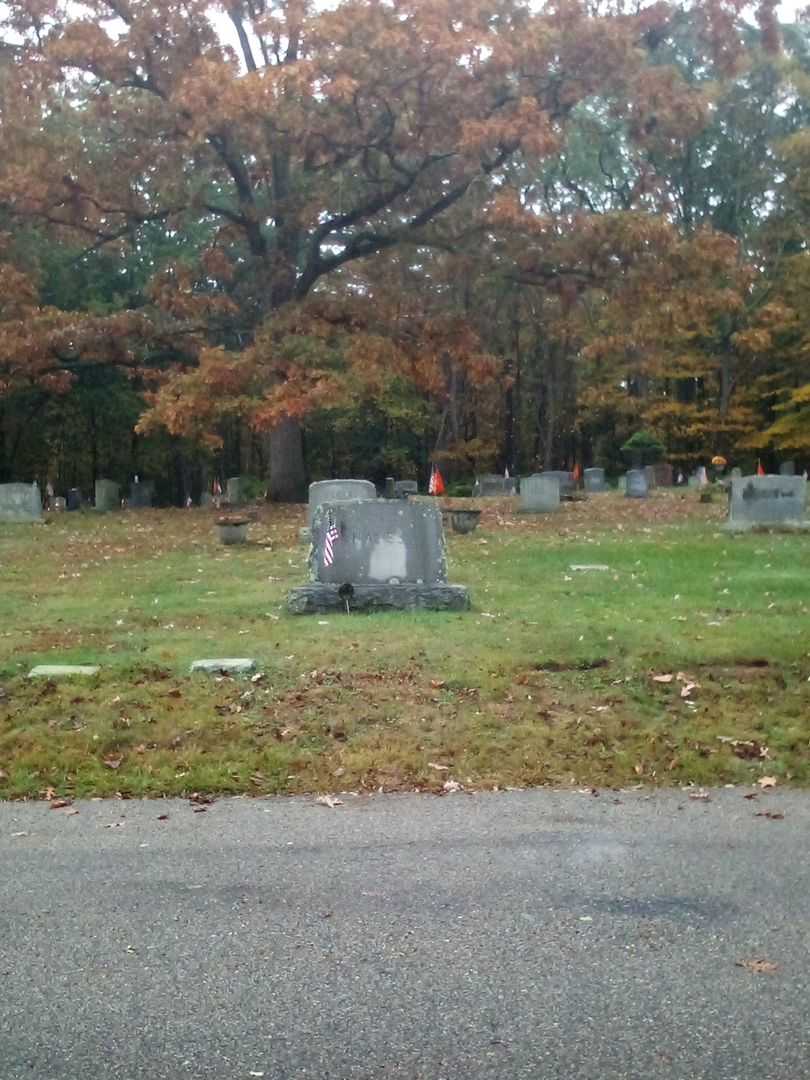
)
(522, 935)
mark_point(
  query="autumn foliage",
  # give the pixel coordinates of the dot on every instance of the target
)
(486, 235)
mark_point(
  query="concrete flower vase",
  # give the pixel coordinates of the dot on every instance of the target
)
(232, 530)
(464, 521)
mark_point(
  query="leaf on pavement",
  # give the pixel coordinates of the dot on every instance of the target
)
(772, 815)
(760, 967)
(60, 804)
(703, 795)
(766, 782)
(328, 800)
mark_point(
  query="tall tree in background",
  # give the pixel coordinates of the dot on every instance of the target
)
(332, 137)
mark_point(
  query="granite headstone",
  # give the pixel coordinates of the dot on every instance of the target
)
(637, 487)
(384, 555)
(141, 494)
(108, 495)
(767, 500)
(539, 494)
(491, 485)
(20, 502)
(594, 480)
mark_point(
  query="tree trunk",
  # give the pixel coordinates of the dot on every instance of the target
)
(288, 481)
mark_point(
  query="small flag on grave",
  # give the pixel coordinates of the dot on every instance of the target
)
(436, 485)
(760, 470)
(329, 541)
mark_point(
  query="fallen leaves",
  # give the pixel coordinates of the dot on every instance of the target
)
(767, 782)
(772, 815)
(113, 761)
(663, 678)
(60, 804)
(439, 768)
(758, 966)
(702, 796)
(200, 802)
(328, 800)
(451, 786)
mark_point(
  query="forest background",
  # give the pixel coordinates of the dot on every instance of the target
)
(289, 241)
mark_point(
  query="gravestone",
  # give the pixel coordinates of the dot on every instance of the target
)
(234, 491)
(74, 499)
(404, 488)
(62, 671)
(636, 484)
(141, 494)
(566, 481)
(663, 474)
(736, 473)
(649, 472)
(693, 482)
(388, 490)
(206, 499)
(702, 476)
(334, 491)
(767, 500)
(492, 485)
(787, 468)
(539, 494)
(387, 555)
(108, 495)
(621, 484)
(20, 502)
(229, 665)
(594, 480)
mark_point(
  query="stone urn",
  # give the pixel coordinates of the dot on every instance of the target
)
(232, 530)
(463, 521)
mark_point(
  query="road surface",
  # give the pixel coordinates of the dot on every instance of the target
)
(514, 935)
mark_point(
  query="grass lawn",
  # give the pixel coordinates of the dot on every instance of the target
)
(550, 679)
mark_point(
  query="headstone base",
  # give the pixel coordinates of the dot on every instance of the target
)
(766, 526)
(62, 671)
(241, 665)
(321, 598)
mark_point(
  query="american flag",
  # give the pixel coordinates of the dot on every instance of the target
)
(331, 538)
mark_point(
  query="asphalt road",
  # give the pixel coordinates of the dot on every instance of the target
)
(515, 935)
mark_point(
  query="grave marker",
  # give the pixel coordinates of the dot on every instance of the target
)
(594, 480)
(636, 484)
(334, 491)
(381, 555)
(767, 500)
(141, 494)
(566, 481)
(491, 485)
(20, 503)
(108, 495)
(539, 494)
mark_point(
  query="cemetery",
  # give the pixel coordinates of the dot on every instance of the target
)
(621, 637)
